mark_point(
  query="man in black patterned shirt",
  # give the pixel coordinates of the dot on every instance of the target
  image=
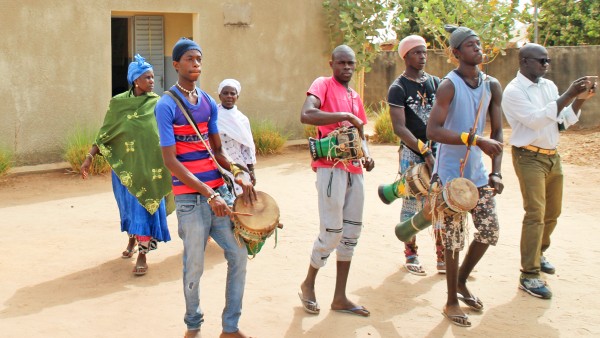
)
(410, 98)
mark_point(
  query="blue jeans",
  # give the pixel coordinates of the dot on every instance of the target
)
(196, 223)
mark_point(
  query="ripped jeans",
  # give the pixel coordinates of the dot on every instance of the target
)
(196, 223)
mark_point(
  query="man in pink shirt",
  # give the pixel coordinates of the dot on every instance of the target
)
(330, 103)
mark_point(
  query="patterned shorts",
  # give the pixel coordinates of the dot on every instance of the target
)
(485, 219)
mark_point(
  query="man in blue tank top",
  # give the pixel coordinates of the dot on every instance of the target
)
(465, 93)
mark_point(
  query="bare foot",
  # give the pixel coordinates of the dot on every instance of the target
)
(237, 334)
(140, 265)
(192, 333)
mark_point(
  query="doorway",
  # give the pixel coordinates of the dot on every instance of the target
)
(120, 54)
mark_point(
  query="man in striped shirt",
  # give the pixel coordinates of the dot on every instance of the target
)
(202, 198)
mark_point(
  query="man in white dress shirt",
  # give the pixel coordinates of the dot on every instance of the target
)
(535, 111)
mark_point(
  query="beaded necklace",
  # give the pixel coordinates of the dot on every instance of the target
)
(191, 93)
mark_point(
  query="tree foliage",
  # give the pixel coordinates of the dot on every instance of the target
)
(493, 20)
(357, 23)
(565, 22)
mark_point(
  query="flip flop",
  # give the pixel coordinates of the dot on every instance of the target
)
(140, 270)
(128, 253)
(473, 303)
(358, 310)
(441, 267)
(309, 306)
(415, 269)
(454, 319)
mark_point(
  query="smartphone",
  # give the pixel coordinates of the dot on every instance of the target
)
(591, 85)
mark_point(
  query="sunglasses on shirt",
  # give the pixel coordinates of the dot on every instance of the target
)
(542, 61)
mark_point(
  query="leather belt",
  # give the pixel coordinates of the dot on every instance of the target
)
(539, 150)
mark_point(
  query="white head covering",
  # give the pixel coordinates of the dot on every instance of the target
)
(232, 122)
(230, 83)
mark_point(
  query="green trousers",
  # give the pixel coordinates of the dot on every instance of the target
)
(541, 181)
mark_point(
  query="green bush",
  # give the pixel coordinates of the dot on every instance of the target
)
(78, 144)
(6, 160)
(384, 131)
(267, 139)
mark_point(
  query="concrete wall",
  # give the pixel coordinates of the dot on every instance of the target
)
(568, 64)
(56, 61)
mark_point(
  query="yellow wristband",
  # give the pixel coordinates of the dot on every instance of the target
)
(423, 148)
(464, 137)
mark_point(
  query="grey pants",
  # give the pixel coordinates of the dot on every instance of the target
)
(341, 201)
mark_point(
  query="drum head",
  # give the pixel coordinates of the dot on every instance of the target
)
(418, 179)
(265, 213)
(462, 194)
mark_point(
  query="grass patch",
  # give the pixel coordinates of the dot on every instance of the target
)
(384, 131)
(310, 131)
(267, 139)
(77, 145)
(6, 160)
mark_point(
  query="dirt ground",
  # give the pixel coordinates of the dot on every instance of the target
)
(62, 275)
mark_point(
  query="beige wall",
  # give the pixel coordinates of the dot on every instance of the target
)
(56, 61)
(568, 64)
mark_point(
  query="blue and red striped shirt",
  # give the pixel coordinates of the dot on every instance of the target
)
(174, 129)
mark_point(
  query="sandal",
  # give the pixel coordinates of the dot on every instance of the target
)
(414, 266)
(128, 253)
(130, 250)
(441, 267)
(458, 320)
(140, 270)
(472, 302)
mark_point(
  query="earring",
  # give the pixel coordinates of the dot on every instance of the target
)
(136, 85)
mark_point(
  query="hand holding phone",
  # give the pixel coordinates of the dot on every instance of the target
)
(591, 84)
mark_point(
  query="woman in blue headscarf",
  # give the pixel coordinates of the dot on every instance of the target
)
(128, 140)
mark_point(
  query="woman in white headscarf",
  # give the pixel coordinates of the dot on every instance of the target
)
(234, 129)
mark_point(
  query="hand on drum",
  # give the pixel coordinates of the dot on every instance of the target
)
(489, 146)
(368, 163)
(248, 195)
(495, 183)
(356, 122)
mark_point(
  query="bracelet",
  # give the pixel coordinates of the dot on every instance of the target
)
(464, 137)
(423, 147)
(235, 170)
(495, 174)
(213, 196)
(90, 156)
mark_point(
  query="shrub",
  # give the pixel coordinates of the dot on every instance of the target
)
(6, 160)
(310, 131)
(267, 139)
(384, 131)
(78, 144)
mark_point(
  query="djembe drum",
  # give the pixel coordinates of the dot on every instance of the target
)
(342, 143)
(256, 222)
(413, 183)
(458, 196)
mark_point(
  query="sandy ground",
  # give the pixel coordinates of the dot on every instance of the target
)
(62, 275)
